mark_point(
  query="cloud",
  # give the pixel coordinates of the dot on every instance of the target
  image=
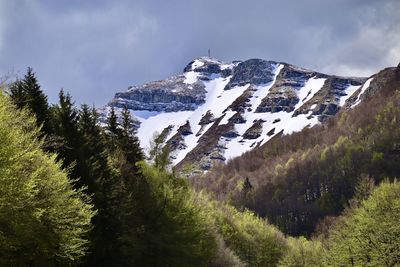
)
(94, 49)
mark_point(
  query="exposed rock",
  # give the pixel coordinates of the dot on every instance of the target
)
(243, 101)
(327, 98)
(217, 155)
(187, 92)
(185, 129)
(271, 132)
(282, 95)
(207, 118)
(385, 80)
(209, 68)
(252, 71)
(176, 142)
(208, 142)
(231, 134)
(237, 118)
(165, 132)
(254, 131)
(168, 95)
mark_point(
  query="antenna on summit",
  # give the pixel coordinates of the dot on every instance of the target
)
(209, 52)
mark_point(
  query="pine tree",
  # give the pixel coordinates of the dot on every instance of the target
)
(112, 122)
(17, 94)
(71, 151)
(27, 93)
(129, 142)
(113, 131)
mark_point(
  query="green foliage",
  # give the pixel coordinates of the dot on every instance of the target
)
(178, 232)
(252, 239)
(26, 93)
(159, 153)
(370, 234)
(302, 253)
(43, 221)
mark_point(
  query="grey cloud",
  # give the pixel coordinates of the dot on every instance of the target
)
(94, 48)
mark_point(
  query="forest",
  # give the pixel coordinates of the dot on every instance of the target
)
(76, 192)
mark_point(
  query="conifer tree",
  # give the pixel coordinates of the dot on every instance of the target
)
(27, 93)
(71, 151)
(113, 131)
(129, 142)
(17, 94)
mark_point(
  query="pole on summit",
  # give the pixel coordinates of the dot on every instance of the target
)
(209, 52)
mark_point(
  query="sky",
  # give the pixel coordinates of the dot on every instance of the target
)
(93, 49)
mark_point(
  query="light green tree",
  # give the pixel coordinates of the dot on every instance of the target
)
(43, 220)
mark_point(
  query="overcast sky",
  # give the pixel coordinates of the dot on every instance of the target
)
(94, 48)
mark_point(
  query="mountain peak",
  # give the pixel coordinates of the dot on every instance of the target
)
(230, 108)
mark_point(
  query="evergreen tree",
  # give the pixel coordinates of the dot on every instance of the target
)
(112, 123)
(129, 142)
(71, 151)
(17, 94)
(27, 93)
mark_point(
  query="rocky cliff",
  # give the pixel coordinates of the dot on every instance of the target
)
(215, 111)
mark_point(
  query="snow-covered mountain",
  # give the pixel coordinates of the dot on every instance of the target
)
(215, 111)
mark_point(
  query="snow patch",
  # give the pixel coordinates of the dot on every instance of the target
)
(349, 92)
(191, 77)
(363, 88)
(310, 88)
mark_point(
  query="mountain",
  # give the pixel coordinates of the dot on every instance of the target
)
(215, 111)
(297, 181)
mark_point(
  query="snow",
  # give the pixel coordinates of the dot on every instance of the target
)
(309, 89)
(197, 63)
(158, 123)
(191, 77)
(217, 100)
(228, 115)
(288, 123)
(144, 114)
(349, 92)
(363, 88)
(237, 146)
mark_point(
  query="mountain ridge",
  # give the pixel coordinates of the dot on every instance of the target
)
(215, 111)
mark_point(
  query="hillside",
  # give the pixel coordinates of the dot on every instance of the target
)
(296, 180)
(216, 111)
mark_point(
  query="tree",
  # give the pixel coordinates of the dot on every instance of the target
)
(113, 130)
(129, 143)
(71, 150)
(43, 220)
(27, 93)
(368, 235)
(302, 253)
(158, 152)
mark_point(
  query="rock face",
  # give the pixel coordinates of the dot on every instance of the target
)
(215, 111)
(252, 71)
(172, 94)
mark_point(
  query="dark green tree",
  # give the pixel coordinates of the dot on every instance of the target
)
(17, 94)
(71, 150)
(129, 142)
(27, 93)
